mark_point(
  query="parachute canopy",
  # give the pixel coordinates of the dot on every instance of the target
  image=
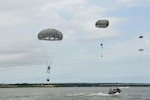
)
(141, 49)
(102, 23)
(141, 36)
(50, 35)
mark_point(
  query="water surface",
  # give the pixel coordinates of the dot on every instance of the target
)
(73, 93)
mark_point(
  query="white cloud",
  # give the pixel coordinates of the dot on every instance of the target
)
(132, 3)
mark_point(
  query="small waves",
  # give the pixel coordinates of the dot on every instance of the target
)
(99, 94)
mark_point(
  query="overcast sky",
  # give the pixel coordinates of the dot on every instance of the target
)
(78, 57)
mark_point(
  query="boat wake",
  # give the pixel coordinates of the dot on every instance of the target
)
(94, 94)
(103, 94)
(98, 94)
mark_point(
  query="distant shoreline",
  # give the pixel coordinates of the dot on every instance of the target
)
(20, 85)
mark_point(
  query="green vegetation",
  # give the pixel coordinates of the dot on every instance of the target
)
(18, 85)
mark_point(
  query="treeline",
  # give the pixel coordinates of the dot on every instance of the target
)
(74, 85)
(101, 84)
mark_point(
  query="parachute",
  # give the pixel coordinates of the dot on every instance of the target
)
(102, 23)
(140, 37)
(141, 49)
(50, 39)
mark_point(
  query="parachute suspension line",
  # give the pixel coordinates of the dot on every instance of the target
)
(54, 53)
(44, 53)
(49, 50)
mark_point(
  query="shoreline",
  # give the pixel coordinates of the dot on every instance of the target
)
(20, 85)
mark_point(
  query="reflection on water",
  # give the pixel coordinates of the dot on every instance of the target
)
(73, 93)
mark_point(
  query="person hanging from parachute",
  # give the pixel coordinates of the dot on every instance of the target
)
(48, 69)
(50, 36)
(101, 45)
(102, 48)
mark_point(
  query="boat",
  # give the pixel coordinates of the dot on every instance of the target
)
(114, 91)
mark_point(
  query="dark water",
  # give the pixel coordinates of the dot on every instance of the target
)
(73, 93)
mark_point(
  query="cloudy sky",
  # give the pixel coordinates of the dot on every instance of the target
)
(78, 57)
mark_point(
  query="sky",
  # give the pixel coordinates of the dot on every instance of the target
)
(78, 56)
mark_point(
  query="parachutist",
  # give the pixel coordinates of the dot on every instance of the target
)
(48, 69)
(102, 45)
(49, 35)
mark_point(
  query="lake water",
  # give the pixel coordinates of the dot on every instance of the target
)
(73, 93)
